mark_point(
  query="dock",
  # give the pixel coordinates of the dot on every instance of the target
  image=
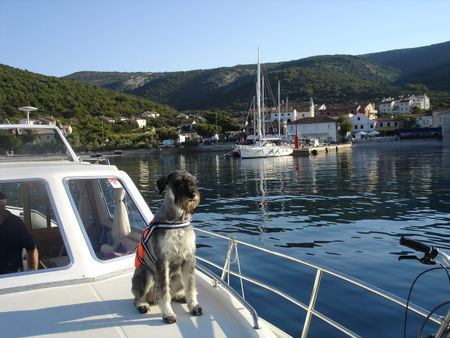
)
(322, 149)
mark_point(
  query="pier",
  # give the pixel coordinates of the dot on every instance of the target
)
(322, 149)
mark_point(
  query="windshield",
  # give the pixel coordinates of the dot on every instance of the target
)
(31, 143)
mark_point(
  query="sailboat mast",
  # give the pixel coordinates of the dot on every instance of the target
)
(258, 96)
(263, 107)
(279, 112)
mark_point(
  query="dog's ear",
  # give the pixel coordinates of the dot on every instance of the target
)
(161, 183)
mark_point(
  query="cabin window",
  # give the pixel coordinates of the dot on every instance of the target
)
(108, 214)
(28, 208)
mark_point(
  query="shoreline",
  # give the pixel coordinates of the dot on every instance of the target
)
(227, 147)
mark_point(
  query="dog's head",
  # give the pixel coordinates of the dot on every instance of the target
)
(180, 186)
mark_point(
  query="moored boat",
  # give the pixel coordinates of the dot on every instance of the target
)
(262, 147)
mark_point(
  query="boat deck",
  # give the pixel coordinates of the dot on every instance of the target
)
(105, 308)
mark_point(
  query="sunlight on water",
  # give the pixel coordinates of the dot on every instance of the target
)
(342, 210)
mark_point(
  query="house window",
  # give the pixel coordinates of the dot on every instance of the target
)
(359, 118)
(381, 124)
(389, 124)
(362, 127)
(371, 126)
(395, 124)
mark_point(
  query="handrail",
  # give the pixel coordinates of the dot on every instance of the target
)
(319, 271)
(246, 304)
(95, 160)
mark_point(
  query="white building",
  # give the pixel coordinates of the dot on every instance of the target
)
(404, 104)
(295, 112)
(151, 114)
(323, 128)
(142, 123)
(362, 123)
(424, 120)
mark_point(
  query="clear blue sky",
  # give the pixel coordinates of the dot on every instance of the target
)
(59, 37)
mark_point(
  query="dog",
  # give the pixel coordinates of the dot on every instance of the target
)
(165, 260)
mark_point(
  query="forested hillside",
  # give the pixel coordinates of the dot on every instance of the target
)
(429, 65)
(65, 98)
(331, 79)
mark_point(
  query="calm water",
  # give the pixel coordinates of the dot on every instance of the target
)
(345, 211)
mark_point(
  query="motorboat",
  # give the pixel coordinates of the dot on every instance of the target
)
(86, 217)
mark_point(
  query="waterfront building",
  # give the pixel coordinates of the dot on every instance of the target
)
(323, 128)
(437, 116)
(388, 124)
(362, 123)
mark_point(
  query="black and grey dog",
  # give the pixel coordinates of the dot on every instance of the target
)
(165, 261)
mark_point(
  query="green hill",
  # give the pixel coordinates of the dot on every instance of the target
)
(427, 65)
(332, 79)
(65, 98)
(328, 78)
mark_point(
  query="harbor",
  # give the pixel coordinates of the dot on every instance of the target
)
(315, 150)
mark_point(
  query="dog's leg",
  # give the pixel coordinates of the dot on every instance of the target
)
(142, 282)
(176, 286)
(188, 272)
(163, 291)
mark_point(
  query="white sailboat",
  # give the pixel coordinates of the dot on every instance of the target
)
(262, 147)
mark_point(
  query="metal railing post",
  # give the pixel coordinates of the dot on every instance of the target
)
(312, 303)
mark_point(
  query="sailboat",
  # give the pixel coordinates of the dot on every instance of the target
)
(262, 147)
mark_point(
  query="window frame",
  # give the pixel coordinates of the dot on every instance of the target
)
(60, 227)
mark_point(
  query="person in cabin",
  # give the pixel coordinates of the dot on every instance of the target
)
(13, 238)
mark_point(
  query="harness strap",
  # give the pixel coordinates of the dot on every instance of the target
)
(143, 248)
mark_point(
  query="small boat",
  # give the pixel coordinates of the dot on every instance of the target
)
(262, 147)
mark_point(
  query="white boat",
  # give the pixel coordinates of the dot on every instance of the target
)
(89, 218)
(262, 147)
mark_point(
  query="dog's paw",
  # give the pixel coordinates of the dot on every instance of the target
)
(143, 308)
(197, 310)
(170, 319)
(180, 299)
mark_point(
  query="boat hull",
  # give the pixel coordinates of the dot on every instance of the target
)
(264, 151)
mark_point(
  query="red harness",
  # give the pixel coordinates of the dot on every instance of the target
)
(143, 248)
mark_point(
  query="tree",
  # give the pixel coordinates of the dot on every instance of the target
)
(345, 126)
(167, 134)
(207, 130)
(9, 142)
(224, 121)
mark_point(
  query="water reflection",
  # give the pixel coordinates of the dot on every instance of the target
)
(342, 210)
(340, 198)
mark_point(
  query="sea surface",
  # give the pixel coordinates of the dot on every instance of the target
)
(344, 211)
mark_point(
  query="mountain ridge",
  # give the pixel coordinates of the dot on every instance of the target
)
(329, 78)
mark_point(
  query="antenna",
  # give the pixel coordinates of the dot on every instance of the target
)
(28, 109)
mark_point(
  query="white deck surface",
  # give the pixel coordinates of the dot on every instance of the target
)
(105, 308)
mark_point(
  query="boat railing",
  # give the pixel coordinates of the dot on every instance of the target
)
(95, 159)
(232, 256)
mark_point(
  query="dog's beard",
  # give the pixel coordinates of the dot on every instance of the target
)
(189, 204)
